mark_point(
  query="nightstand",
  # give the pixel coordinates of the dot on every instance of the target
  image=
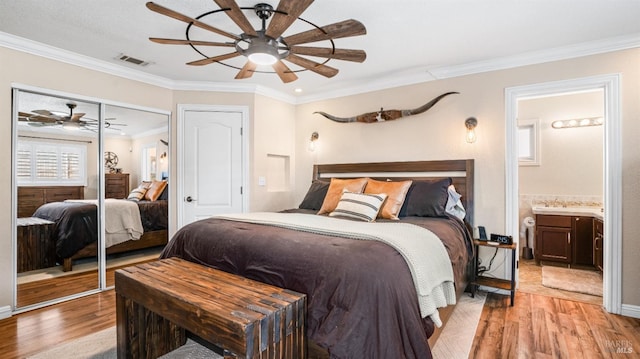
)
(506, 284)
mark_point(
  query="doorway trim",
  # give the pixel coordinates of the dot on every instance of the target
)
(610, 84)
(181, 112)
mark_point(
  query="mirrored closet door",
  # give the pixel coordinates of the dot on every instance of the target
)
(136, 145)
(57, 175)
(91, 192)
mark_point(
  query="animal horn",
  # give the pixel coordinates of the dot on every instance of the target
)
(426, 106)
(337, 119)
(386, 115)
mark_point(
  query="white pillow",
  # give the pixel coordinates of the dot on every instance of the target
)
(362, 206)
(454, 206)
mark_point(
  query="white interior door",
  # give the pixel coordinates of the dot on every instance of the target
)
(212, 174)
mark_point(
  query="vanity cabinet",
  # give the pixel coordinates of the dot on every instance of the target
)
(564, 239)
(582, 229)
(553, 239)
(598, 243)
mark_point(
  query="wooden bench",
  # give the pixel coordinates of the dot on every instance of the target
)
(36, 249)
(158, 303)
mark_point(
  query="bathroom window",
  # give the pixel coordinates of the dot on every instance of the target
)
(529, 142)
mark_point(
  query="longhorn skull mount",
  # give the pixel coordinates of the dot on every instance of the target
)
(387, 115)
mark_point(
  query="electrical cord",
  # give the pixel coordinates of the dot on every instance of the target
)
(482, 269)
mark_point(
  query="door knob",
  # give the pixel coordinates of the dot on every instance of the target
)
(189, 199)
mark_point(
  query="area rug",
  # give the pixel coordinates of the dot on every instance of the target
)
(102, 345)
(457, 337)
(454, 342)
(573, 280)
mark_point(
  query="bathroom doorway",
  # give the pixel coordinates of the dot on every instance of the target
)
(612, 198)
(561, 194)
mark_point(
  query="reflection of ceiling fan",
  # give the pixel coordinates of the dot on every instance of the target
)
(72, 121)
(266, 46)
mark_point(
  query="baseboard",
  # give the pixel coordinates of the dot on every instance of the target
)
(630, 310)
(5, 312)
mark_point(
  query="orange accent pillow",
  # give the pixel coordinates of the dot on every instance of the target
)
(155, 190)
(396, 193)
(336, 187)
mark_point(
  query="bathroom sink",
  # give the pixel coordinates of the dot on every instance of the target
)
(569, 211)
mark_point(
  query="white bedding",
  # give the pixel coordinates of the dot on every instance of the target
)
(122, 220)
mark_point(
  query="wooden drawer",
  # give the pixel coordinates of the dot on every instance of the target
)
(553, 221)
(116, 185)
(115, 181)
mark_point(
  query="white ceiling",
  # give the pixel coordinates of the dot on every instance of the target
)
(407, 41)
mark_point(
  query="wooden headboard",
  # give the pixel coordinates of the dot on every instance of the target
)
(460, 171)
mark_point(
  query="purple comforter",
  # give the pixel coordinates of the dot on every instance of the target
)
(362, 302)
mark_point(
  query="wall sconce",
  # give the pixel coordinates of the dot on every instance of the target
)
(163, 156)
(471, 124)
(313, 140)
(591, 121)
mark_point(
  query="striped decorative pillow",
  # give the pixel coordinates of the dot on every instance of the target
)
(362, 206)
(138, 193)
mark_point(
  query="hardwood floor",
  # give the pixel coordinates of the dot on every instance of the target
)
(539, 326)
(536, 327)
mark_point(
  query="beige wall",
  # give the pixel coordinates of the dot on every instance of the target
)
(273, 130)
(437, 134)
(571, 158)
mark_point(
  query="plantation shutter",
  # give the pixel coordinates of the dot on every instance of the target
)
(23, 163)
(50, 164)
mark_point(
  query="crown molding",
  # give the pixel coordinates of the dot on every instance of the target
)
(404, 78)
(72, 58)
(39, 49)
(538, 57)
(233, 87)
(398, 79)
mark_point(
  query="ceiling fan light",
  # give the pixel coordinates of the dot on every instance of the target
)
(71, 126)
(261, 58)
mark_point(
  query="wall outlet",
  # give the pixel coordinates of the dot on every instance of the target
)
(262, 181)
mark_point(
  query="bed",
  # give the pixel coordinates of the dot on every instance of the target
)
(362, 298)
(76, 229)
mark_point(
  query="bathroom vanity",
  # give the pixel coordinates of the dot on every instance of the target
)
(573, 236)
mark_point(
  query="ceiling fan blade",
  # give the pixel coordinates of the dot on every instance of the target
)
(280, 22)
(337, 30)
(77, 116)
(235, 13)
(24, 114)
(246, 71)
(45, 113)
(324, 70)
(178, 16)
(338, 54)
(210, 60)
(189, 42)
(285, 74)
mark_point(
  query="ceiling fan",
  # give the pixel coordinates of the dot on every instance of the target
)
(71, 121)
(266, 46)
